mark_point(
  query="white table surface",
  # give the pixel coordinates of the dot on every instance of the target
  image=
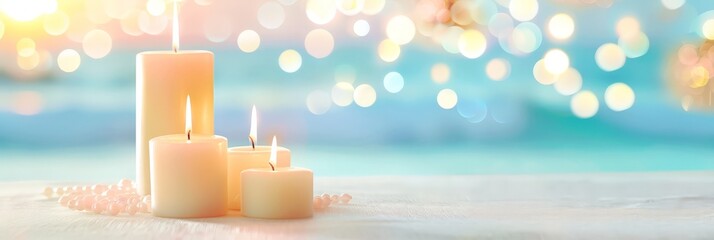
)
(667, 205)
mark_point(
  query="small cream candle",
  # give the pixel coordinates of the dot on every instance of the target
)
(188, 174)
(247, 157)
(277, 193)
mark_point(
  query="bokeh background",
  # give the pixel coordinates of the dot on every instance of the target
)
(373, 87)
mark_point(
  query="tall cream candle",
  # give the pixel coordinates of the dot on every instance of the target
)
(163, 80)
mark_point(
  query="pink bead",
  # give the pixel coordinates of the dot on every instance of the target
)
(87, 202)
(335, 198)
(99, 188)
(141, 207)
(114, 209)
(48, 192)
(345, 198)
(317, 203)
(63, 200)
(101, 205)
(125, 183)
(72, 204)
(326, 201)
(59, 191)
(77, 189)
(134, 200)
(147, 200)
(131, 209)
(114, 187)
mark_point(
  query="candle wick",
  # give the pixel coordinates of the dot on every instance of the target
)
(252, 142)
(271, 166)
(189, 134)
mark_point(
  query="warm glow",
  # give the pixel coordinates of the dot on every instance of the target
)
(472, 44)
(27, 10)
(440, 73)
(320, 11)
(619, 97)
(401, 29)
(319, 43)
(274, 152)
(556, 61)
(498, 69)
(253, 135)
(342, 94)
(584, 104)
(318, 102)
(25, 47)
(248, 41)
(97, 43)
(156, 7)
(523, 10)
(175, 33)
(708, 29)
(290, 61)
(365, 95)
(69, 60)
(361, 28)
(447, 99)
(189, 121)
(388, 50)
(626, 26)
(610, 57)
(561, 26)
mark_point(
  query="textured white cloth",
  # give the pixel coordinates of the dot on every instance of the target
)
(670, 205)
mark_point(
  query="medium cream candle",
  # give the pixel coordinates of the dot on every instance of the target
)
(277, 193)
(163, 80)
(188, 174)
(247, 157)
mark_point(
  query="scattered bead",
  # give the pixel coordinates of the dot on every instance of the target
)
(72, 204)
(317, 203)
(48, 192)
(114, 209)
(59, 191)
(131, 209)
(63, 200)
(125, 183)
(326, 201)
(345, 198)
(142, 207)
(99, 188)
(98, 207)
(335, 198)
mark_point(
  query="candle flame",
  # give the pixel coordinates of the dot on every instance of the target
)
(189, 122)
(273, 153)
(175, 35)
(253, 135)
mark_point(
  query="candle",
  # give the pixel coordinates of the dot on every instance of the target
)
(277, 193)
(163, 80)
(188, 174)
(246, 157)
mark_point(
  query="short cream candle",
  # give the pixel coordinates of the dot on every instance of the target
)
(277, 193)
(247, 157)
(188, 174)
